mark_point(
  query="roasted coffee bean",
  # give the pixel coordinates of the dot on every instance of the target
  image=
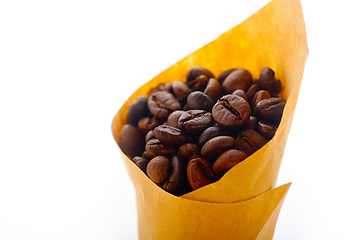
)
(199, 83)
(131, 141)
(177, 173)
(137, 110)
(217, 145)
(155, 148)
(231, 111)
(146, 156)
(252, 124)
(200, 173)
(267, 130)
(227, 160)
(196, 71)
(181, 91)
(250, 141)
(270, 109)
(158, 169)
(241, 93)
(252, 90)
(224, 75)
(268, 81)
(162, 103)
(140, 162)
(149, 136)
(238, 79)
(171, 136)
(195, 121)
(260, 95)
(173, 118)
(213, 89)
(146, 124)
(188, 151)
(211, 132)
(161, 87)
(199, 100)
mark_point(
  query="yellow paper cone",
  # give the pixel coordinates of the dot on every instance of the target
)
(275, 37)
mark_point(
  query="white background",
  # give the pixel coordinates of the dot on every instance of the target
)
(66, 67)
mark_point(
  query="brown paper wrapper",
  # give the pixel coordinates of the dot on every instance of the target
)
(243, 204)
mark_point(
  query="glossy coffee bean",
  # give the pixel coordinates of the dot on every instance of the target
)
(173, 118)
(260, 95)
(149, 136)
(148, 123)
(231, 111)
(270, 109)
(199, 83)
(238, 79)
(195, 121)
(211, 132)
(176, 177)
(267, 130)
(146, 156)
(252, 124)
(196, 71)
(268, 81)
(188, 151)
(155, 148)
(217, 145)
(180, 90)
(171, 136)
(158, 169)
(131, 141)
(213, 89)
(224, 75)
(199, 100)
(200, 173)
(241, 93)
(227, 160)
(137, 110)
(252, 90)
(161, 87)
(140, 162)
(250, 141)
(162, 103)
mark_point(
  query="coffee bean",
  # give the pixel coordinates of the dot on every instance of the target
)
(195, 121)
(213, 89)
(137, 110)
(224, 75)
(270, 109)
(260, 95)
(238, 79)
(199, 100)
(252, 124)
(267, 130)
(162, 103)
(156, 148)
(200, 173)
(146, 124)
(158, 169)
(188, 151)
(177, 173)
(217, 145)
(140, 162)
(250, 141)
(149, 136)
(173, 118)
(241, 93)
(268, 81)
(211, 132)
(252, 90)
(196, 71)
(181, 91)
(131, 141)
(227, 160)
(171, 136)
(161, 87)
(199, 83)
(231, 111)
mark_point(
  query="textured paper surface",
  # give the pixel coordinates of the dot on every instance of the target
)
(275, 37)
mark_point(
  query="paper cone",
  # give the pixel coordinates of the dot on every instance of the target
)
(275, 37)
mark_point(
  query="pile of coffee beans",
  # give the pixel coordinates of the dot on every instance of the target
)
(187, 135)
